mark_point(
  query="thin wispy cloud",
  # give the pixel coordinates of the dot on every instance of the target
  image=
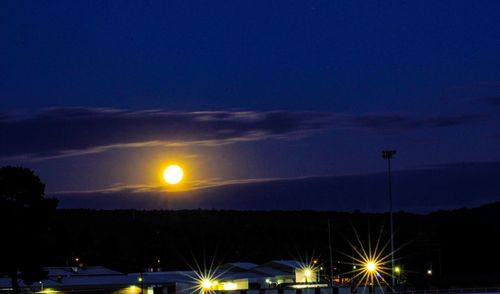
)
(60, 132)
(424, 189)
(188, 186)
(408, 122)
(75, 131)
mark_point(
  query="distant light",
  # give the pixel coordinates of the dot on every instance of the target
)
(139, 279)
(77, 259)
(371, 266)
(354, 267)
(307, 273)
(268, 281)
(229, 286)
(315, 261)
(429, 272)
(397, 270)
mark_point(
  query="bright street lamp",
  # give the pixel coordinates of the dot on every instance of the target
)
(371, 266)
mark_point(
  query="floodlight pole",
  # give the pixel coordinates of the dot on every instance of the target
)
(388, 154)
(330, 252)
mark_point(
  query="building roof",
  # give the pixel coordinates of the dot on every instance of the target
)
(238, 266)
(80, 271)
(165, 277)
(99, 276)
(252, 276)
(279, 267)
(289, 263)
(76, 281)
(269, 271)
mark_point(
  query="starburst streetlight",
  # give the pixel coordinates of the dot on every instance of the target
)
(307, 274)
(204, 279)
(370, 264)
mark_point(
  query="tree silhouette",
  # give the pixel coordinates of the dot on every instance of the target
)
(24, 222)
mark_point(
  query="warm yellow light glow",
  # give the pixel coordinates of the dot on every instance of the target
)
(397, 270)
(132, 290)
(307, 273)
(206, 284)
(370, 263)
(173, 174)
(371, 266)
(229, 286)
(303, 286)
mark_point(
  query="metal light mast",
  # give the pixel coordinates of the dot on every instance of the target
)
(388, 155)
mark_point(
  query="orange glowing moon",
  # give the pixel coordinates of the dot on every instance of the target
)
(173, 174)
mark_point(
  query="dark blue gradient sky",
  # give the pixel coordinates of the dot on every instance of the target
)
(100, 95)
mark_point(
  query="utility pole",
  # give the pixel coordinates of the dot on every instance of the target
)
(388, 155)
(330, 249)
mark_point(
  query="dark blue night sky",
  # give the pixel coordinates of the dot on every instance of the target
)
(294, 99)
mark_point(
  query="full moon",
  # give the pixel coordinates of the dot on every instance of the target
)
(173, 174)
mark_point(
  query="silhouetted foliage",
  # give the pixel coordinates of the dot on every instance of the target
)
(24, 224)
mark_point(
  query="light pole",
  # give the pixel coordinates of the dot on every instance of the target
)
(388, 154)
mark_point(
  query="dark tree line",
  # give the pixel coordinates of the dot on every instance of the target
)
(460, 246)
